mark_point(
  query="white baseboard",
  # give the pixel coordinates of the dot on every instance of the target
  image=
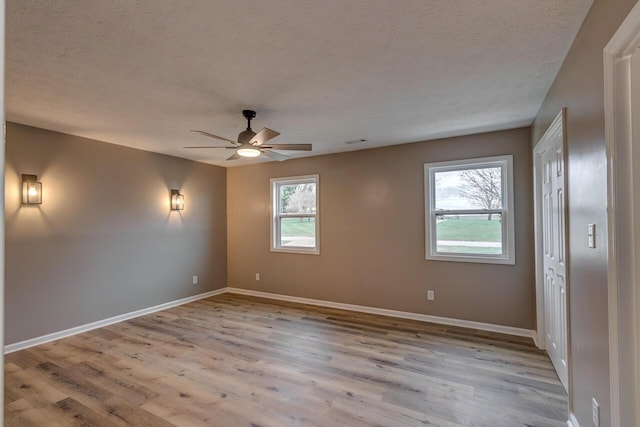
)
(392, 313)
(572, 421)
(536, 340)
(105, 322)
(352, 307)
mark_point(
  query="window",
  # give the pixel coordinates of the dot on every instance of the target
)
(294, 209)
(469, 210)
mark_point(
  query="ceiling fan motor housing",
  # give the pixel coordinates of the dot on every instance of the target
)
(245, 136)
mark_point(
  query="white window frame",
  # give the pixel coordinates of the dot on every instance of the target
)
(507, 211)
(276, 215)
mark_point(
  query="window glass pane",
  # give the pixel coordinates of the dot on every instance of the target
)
(298, 198)
(298, 232)
(469, 234)
(469, 189)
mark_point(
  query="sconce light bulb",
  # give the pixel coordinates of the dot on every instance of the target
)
(177, 201)
(31, 190)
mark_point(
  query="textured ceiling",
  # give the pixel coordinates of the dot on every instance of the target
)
(142, 73)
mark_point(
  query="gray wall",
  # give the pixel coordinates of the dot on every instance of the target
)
(104, 241)
(372, 234)
(579, 86)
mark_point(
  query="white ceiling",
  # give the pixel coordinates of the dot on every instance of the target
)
(142, 73)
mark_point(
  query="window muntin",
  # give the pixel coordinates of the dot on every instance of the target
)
(469, 210)
(295, 222)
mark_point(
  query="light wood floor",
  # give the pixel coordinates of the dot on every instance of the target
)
(240, 361)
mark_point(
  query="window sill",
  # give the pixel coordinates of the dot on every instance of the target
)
(297, 250)
(474, 259)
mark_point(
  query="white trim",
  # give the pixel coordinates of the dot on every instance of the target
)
(572, 421)
(624, 380)
(507, 211)
(391, 313)
(273, 229)
(535, 339)
(297, 250)
(2, 176)
(538, 248)
(105, 322)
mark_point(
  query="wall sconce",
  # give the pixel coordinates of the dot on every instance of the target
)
(31, 190)
(177, 200)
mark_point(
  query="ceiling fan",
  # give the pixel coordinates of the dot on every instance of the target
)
(251, 144)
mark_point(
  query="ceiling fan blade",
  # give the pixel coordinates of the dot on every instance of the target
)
(276, 156)
(235, 156)
(263, 136)
(210, 135)
(212, 146)
(296, 147)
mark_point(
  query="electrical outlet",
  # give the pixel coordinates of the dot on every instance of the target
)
(595, 408)
(195, 280)
(431, 295)
(257, 277)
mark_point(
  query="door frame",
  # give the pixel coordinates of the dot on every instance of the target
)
(623, 279)
(2, 169)
(558, 126)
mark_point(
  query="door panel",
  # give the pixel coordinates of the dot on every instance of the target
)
(553, 224)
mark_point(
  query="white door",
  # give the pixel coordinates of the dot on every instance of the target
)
(554, 262)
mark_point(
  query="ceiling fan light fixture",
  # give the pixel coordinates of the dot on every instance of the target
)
(248, 150)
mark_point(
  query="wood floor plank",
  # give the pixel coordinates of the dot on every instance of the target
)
(234, 360)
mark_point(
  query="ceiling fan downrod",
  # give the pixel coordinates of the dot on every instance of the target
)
(249, 115)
